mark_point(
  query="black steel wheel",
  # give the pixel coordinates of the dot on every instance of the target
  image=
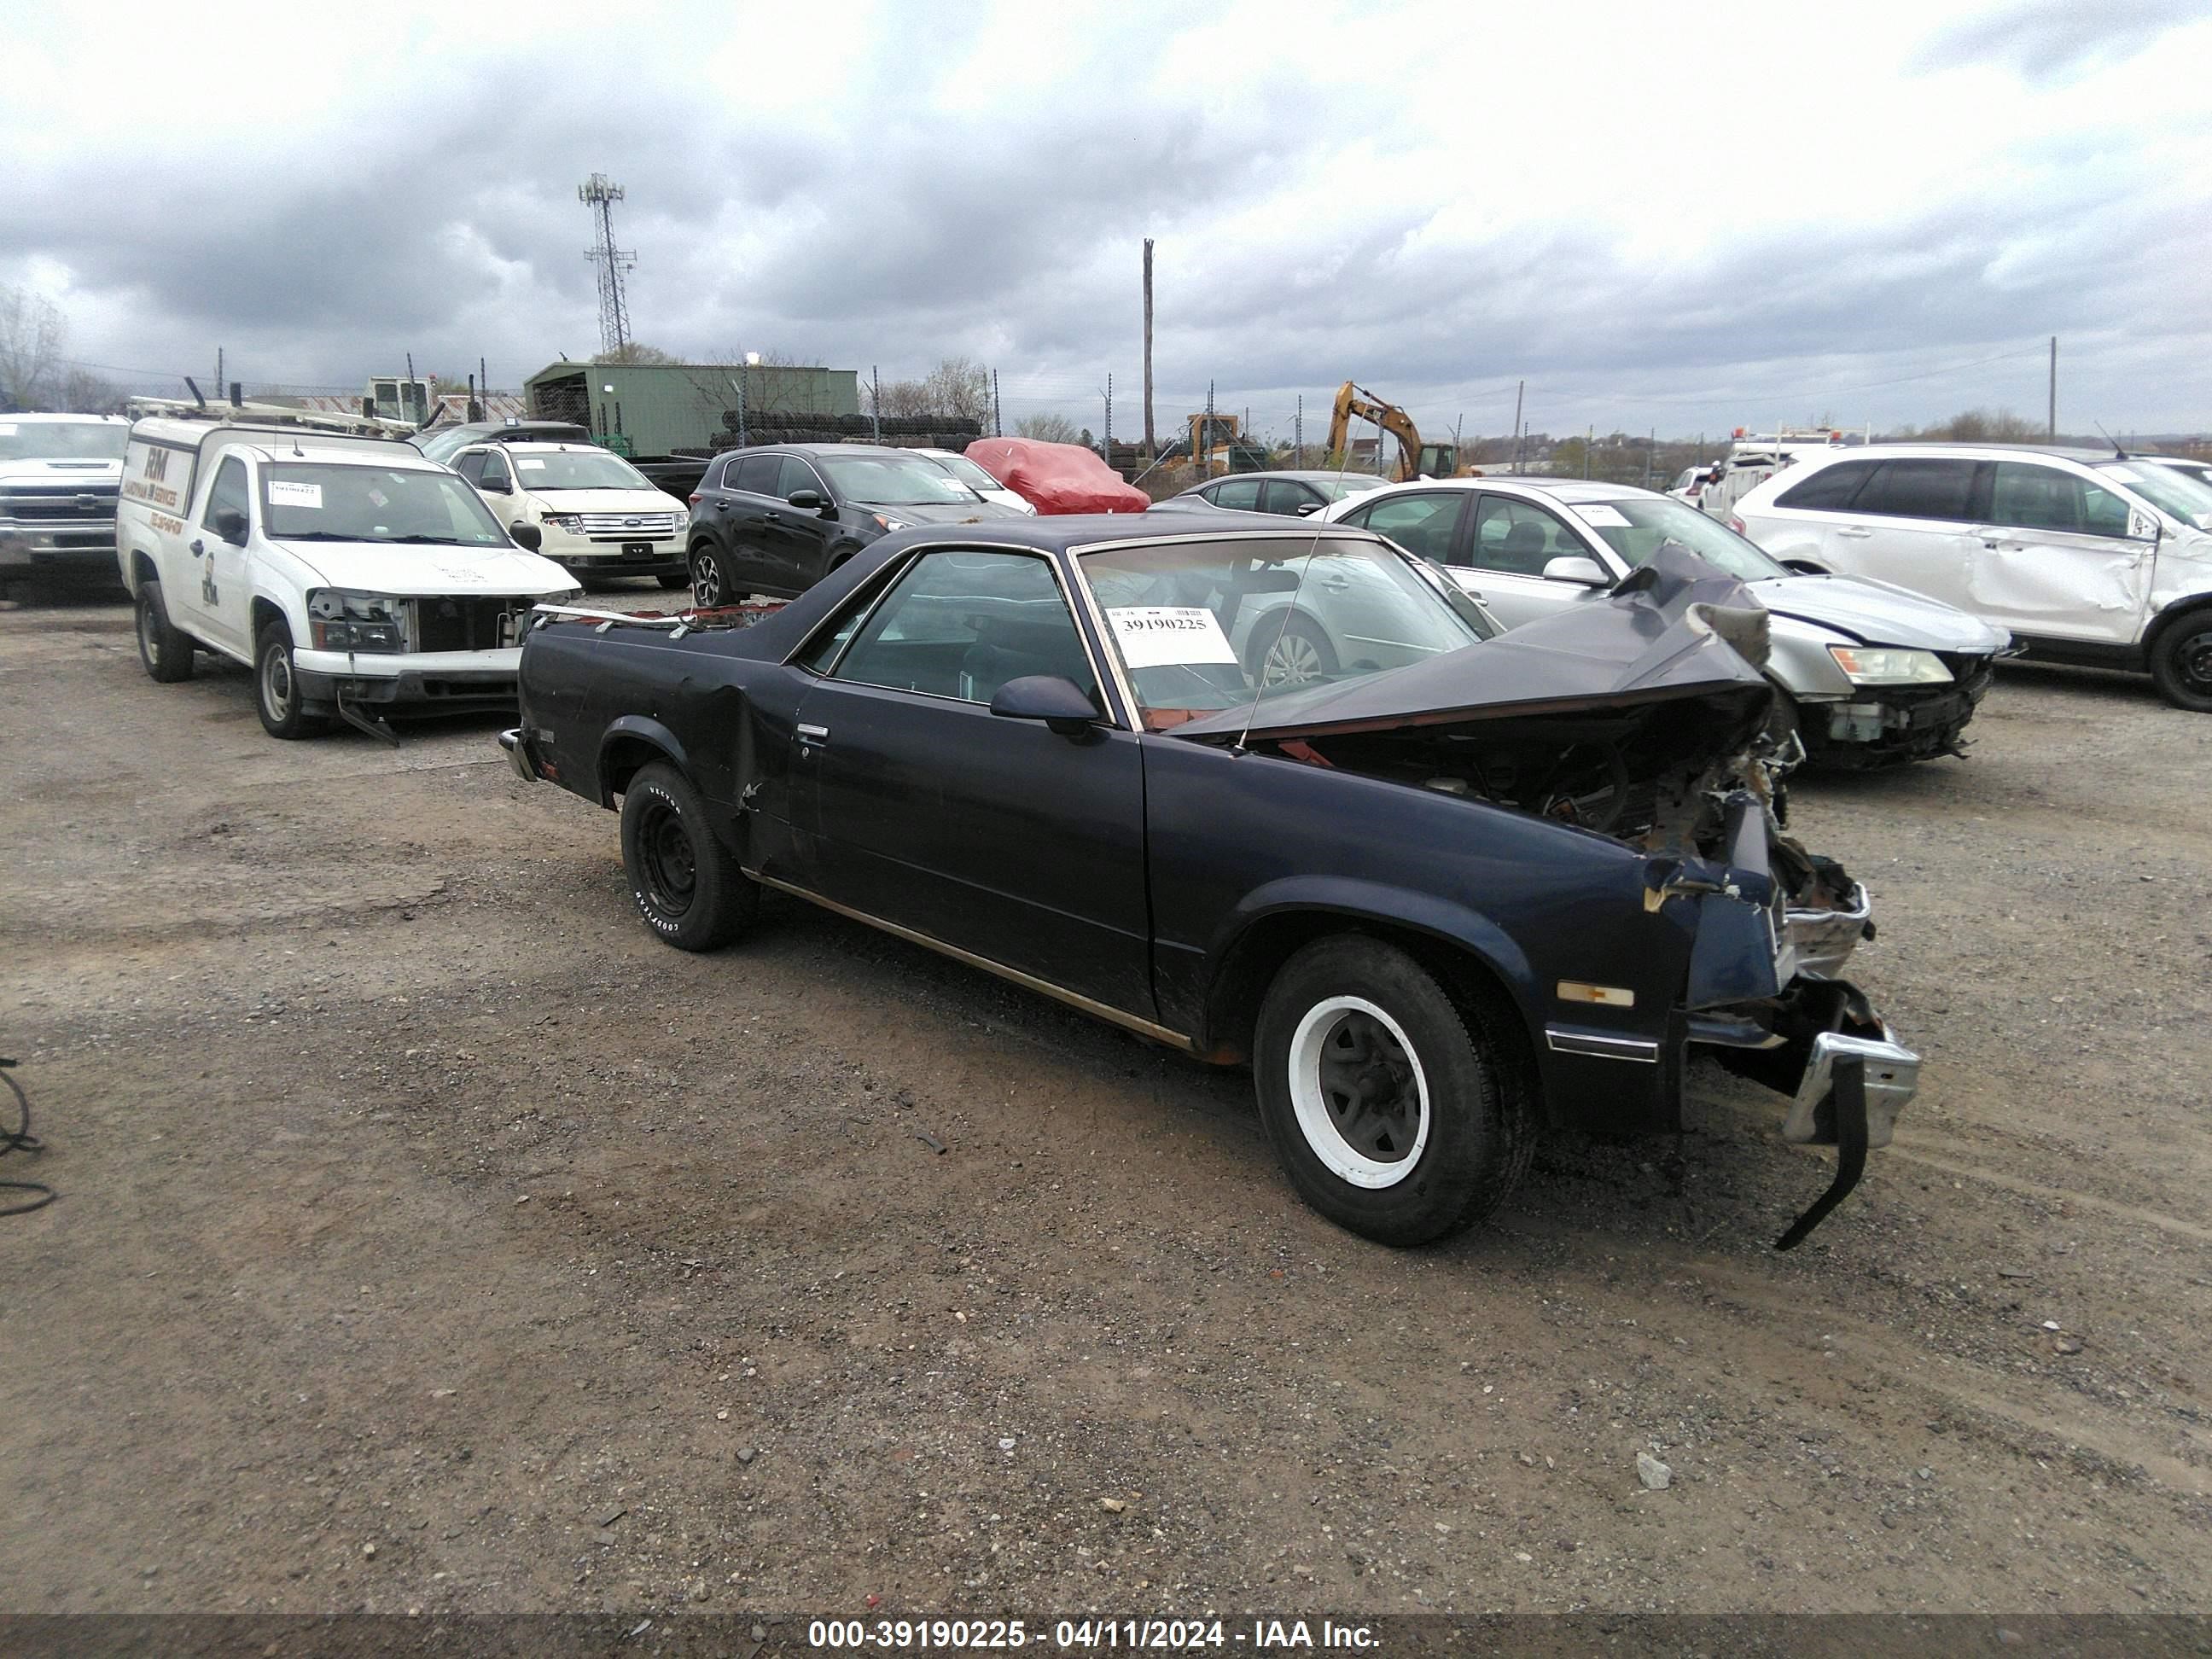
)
(1399, 1104)
(685, 884)
(2182, 662)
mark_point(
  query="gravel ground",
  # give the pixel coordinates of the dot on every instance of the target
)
(431, 1237)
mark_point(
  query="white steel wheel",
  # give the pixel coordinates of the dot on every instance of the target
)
(1360, 1094)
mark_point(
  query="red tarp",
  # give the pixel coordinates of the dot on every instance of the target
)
(1056, 477)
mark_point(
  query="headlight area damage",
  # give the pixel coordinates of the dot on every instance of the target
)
(1643, 718)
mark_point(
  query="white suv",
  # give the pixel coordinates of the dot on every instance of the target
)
(2084, 556)
(598, 515)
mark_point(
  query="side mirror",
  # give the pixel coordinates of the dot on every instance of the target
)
(1307, 509)
(1578, 569)
(1058, 703)
(230, 525)
(527, 536)
(811, 500)
(2143, 527)
(1805, 567)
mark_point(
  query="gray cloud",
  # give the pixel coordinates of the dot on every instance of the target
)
(2044, 42)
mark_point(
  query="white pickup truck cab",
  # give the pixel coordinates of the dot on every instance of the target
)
(350, 573)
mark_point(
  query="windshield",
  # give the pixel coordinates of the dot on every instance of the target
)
(896, 481)
(2188, 499)
(967, 473)
(1201, 627)
(576, 469)
(62, 440)
(1636, 526)
(305, 502)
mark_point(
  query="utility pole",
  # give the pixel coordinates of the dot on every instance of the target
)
(218, 365)
(997, 421)
(1106, 444)
(1205, 443)
(1519, 387)
(2051, 429)
(1650, 444)
(1151, 443)
(600, 193)
(408, 395)
(1298, 429)
(483, 385)
(876, 401)
(1589, 437)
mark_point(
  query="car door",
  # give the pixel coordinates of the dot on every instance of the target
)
(795, 540)
(1290, 498)
(2054, 557)
(1513, 540)
(917, 806)
(1913, 522)
(743, 521)
(220, 600)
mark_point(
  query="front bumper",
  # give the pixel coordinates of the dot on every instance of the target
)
(1887, 725)
(516, 742)
(607, 556)
(444, 679)
(1820, 942)
(26, 546)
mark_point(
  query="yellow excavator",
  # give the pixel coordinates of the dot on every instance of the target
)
(1416, 459)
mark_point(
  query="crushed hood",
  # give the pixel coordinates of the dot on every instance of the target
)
(1676, 628)
(405, 569)
(1876, 613)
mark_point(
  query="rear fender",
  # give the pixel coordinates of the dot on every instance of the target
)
(619, 756)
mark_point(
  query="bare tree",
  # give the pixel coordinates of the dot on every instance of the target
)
(1048, 429)
(32, 331)
(958, 387)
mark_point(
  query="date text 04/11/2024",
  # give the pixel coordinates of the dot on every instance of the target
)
(899, 1635)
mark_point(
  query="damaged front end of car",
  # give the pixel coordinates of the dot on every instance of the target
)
(1644, 720)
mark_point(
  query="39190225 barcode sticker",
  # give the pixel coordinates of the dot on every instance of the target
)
(1159, 636)
(283, 492)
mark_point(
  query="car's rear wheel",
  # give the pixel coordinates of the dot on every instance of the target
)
(1289, 653)
(278, 697)
(2182, 662)
(165, 650)
(1396, 1108)
(686, 885)
(710, 577)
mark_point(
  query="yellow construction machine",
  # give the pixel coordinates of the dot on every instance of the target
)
(1416, 459)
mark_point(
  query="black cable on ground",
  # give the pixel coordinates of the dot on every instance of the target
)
(20, 1139)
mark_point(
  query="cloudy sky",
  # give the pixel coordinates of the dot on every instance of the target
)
(1685, 218)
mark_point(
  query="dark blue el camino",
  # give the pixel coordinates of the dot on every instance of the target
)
(1270, 793)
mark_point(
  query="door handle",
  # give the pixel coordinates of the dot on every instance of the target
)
(814, 734)
(1856, 532)
(198, 548)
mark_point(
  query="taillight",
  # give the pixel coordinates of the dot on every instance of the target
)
(694, 497)
(1736, 525)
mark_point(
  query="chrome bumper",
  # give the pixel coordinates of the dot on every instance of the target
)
(519, 755)
(1820, 942)
(1893, 1077)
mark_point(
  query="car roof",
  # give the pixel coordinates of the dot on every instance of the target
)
(557, 447)
(1560, 489)
(1938, 448)
(1310, 475)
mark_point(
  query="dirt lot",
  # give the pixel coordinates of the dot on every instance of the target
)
(432, 1238)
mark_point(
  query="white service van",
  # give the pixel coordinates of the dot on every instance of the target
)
(351, 575)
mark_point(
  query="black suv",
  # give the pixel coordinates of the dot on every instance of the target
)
(777, 520)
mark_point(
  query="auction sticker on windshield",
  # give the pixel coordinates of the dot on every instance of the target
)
(282, 492)
(528, 465)
(1163, 636)
(1603, 517)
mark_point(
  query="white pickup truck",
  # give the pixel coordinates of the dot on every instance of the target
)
(351, 575)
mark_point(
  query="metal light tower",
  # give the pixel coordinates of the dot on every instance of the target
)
(600, 193)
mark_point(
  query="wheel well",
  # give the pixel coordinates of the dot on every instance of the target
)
(1259, 953)
(2196, 605)
(264, 612)
(142, 569)
(625, 757)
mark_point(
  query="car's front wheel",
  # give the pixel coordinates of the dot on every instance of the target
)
(2182, 662)
(1396, 1108)
(686, 885)
(277, 695)
(710, 577)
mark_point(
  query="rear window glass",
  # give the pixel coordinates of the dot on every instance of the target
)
(1831, 487)
(1918, 489)
(755, 474)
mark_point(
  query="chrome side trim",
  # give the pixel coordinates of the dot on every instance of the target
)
(1641, 1049)
(1075, 999)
